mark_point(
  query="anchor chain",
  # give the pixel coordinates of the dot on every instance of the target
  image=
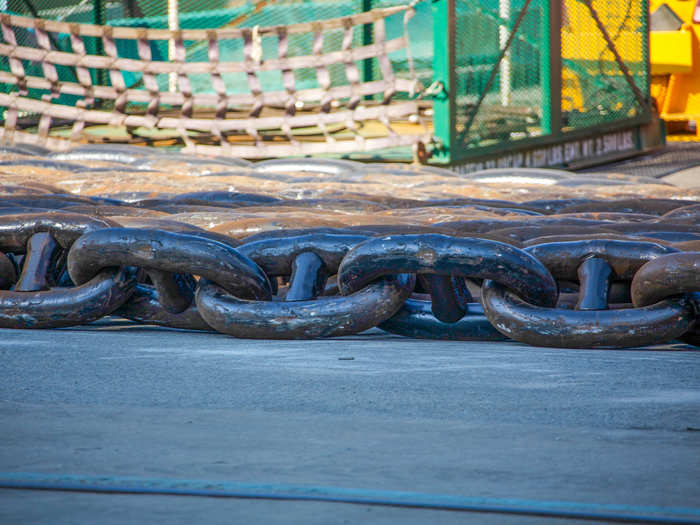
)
(62, 269)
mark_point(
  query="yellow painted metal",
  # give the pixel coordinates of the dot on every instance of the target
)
(671, 51)
(682, 138)
(675, 65)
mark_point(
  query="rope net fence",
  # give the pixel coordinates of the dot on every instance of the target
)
(248, 90)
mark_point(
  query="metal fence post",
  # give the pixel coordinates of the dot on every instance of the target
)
(367, 39)
(98, 18)
(444, 101)
(551, 68)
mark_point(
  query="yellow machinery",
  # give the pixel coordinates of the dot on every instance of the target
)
(675, 65)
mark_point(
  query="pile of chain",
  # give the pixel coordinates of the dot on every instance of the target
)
(562, 272)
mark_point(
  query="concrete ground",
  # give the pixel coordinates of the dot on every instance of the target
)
(687, 178)
(373, 411)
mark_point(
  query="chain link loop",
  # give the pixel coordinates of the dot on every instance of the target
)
(594, 264)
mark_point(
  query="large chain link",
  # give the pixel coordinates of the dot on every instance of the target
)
(37, 299)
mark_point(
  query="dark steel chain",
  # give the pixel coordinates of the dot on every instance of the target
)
(586, 289)
(36, 300)
(594, 264)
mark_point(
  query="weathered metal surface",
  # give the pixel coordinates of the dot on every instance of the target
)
(449, 297)
(32, 304)
(492, 225)
(444, 255)
(594, 274)
(594, 263)
(689, 214)
(144, 306)
(315, 228)
(276, 256)
(53, 201)
(674, 274)
(668, 276)
(309, 276)
(524, 233)
(326, 166)
(59, 307)
(416, 319)
(8, 273)
(168, 252)
(651, 206)
(624, 257)
(556, 205)
(15, 230)
(298, 232)
(588, 237)
(41, 248)
(323, 317)
(156, 224)
(175, 290)
(555, 327)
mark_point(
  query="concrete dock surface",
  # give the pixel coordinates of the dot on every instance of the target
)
(371, 412)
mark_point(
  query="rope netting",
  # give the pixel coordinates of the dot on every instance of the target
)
(337, 115)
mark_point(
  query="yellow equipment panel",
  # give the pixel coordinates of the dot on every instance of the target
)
(675, 68)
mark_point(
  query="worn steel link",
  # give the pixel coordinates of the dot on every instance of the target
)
(416, 319)
(323, 317)
(36, 301)
(144, 306)
(65, 228)
(308, 260)
(8, 272)
(667, 276)
(594, 264)
(276, 256)
(169, 258)
(445, 258)
(59, 307)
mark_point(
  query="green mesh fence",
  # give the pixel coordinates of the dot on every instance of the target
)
(498, 101)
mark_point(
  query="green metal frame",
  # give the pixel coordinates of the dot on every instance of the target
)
(367, 39)
(97, 47)
(449, 151)
(444, 102)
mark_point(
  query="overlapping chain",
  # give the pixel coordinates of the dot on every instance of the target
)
(574, 290)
